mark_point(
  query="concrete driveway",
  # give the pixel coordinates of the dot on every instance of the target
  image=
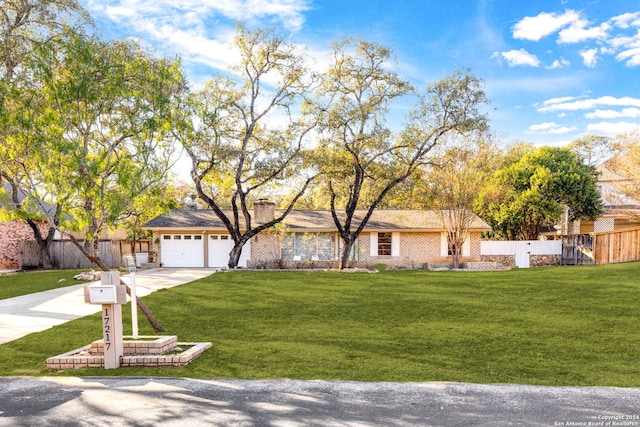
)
(24, 315)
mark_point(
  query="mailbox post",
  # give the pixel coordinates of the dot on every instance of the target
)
(111, 295)
(131, 266)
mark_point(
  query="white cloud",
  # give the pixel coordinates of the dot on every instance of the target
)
(550, 128)
(184, 26)
(578, 32)
(627, 20)
(613, 37)
(612, 129)
(589, 57)
(629, 47)
(573, 104)
(631, 56)
(561, 100)
(613, 114)
(519, 57)
(559, 63)
(625, 41)
(536, 27)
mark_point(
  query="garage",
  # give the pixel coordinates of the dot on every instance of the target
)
(219, 247)
(182, 250)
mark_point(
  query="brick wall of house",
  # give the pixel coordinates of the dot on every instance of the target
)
(265, 247)
(11, 233)
(416, 250)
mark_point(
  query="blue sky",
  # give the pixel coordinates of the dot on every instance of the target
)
(555, 70)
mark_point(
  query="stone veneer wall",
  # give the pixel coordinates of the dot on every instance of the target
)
(13, 232)
(544, 260)
(506, 260)
(534, 260)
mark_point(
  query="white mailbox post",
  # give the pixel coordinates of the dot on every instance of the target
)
(131, 266)
(111, 295)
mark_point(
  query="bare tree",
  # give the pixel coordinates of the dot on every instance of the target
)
(463, 169)
(245, 135)
(361, 159)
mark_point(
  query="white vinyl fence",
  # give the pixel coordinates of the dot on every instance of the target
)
(521, 249)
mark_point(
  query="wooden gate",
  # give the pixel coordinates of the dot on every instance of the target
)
(577, 249)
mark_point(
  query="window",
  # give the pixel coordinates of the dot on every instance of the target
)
(166, 237)
(214, 237)
(446, 251)
(187, 237)
(451, 249)
(177, 237)
(197, 237)
(307, 247)
(224, 237)
(384, 244)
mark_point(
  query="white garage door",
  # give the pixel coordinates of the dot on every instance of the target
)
(182, 250)
(219, 247)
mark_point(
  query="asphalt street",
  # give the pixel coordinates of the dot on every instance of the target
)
(106, 401)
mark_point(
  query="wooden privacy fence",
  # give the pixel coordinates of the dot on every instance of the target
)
(65, 255)
(617, 246)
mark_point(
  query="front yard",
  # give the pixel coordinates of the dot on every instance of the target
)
(548, 326)
(17, 284)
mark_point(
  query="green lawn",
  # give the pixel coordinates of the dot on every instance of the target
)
(548, 326)
(23, 283)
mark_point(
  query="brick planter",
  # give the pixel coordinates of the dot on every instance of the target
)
(144, 351)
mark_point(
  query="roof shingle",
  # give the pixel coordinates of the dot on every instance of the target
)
(388, 220)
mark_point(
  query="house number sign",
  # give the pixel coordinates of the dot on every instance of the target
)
(111, 295)
(106, 328)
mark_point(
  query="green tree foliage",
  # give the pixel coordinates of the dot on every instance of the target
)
(245, 133)
(533, 191)
(106, 129)
(90, 135)
(25, 25)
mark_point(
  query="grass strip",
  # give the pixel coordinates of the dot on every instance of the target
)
(24, 283)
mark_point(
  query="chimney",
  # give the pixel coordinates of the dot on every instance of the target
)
(191, 202)
(263, 211)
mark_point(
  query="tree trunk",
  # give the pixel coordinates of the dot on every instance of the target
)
(234, 255)
(97, 261)
(43, 243)
(345, 258)
(455, 258)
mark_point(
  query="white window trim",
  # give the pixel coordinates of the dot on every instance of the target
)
(444, 245)
(395, 244)
(373, 244)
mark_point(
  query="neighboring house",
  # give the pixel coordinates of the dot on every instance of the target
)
(13, 232)
(620, 212)
(402, 238)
